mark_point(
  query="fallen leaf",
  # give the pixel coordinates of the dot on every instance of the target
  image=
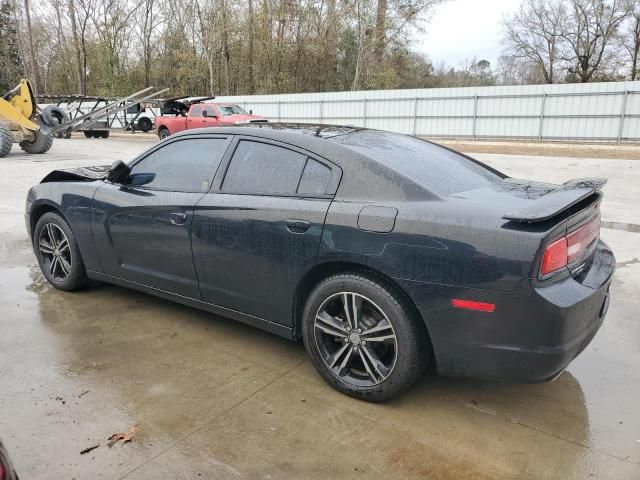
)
(88, 449)
(124, 436)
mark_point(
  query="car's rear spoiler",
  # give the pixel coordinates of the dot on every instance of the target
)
(557, 201)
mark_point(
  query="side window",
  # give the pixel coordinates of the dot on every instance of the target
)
(263, 168)
(315, 178)
(186, 165)
(211, 111)
(196, 111)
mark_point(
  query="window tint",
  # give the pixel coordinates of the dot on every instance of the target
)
(440, 170)
(196, 111)
(262, 168)
(315, 178)
(211, 110)
(187, 165)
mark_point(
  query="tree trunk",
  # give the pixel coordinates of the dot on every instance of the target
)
(32, 54)
(380, 31)
(252, 81)
(82, 89)
(331, 60)
(635, 49)
(225, 50)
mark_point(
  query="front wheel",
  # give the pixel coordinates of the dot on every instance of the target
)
(58, 253)
(363, 337)
(41, 144)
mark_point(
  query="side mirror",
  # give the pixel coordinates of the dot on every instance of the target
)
(118, 172)
(205, 113)
(250, 112)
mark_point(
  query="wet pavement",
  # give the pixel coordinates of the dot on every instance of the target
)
(217, 399)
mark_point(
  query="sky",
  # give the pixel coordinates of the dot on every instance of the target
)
(461, 29)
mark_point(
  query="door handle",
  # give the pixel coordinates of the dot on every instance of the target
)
(297, 226)
(178, 218)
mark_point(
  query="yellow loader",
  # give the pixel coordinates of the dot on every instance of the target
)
(21, 123)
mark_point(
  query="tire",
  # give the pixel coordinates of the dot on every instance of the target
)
(104, 134)
(41, 144)
(54, 116)
(69, 274)
(163, 133)
(88, 134)
(399, 361)
(5, 140)
(145, 124)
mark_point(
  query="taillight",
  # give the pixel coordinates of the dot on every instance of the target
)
(555, 256)
(579, 240)
(570, 248)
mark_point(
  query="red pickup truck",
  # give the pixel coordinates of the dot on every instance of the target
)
(205, 115)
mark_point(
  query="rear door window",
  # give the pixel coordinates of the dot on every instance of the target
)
(263, 168)
(315, 178)
(196, 111)
(184, 165)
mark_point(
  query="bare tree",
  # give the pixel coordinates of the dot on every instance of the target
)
(534, 33)
(80, 66)
(628, 39)
(589, 31)
(32, 53)
(150, 20)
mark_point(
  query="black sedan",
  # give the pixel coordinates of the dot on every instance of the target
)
(382, 252)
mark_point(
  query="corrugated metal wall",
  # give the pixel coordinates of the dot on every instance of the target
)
(580, 112)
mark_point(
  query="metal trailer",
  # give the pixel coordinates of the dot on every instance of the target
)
(96, 115)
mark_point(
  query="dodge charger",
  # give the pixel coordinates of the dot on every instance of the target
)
(382, 252)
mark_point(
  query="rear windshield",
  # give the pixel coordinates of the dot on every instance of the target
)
(438, 169)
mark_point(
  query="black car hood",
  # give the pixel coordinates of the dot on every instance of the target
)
(86, 174)
(526, 201)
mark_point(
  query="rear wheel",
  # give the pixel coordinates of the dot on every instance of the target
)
(88, 134)
(163, 133)
(58, 253)
(363, 337)
(5, 140)
(41, 144)
(145, 124)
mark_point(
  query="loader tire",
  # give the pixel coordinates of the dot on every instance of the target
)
(5, 140)
(54, 116)
(41, 144)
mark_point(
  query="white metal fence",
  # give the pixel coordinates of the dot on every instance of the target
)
(607, 112)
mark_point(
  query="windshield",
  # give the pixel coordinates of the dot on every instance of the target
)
(440, 170)
(226, 110)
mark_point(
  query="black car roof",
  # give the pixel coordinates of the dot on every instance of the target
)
(273, 129)
(363, 177)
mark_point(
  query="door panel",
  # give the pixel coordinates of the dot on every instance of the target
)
(251, 251)
(145, 236)
(142, 229)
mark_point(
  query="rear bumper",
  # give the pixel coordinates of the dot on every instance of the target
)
(534, 333)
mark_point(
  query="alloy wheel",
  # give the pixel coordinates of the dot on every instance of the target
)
(55, 251)
(355, 339)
